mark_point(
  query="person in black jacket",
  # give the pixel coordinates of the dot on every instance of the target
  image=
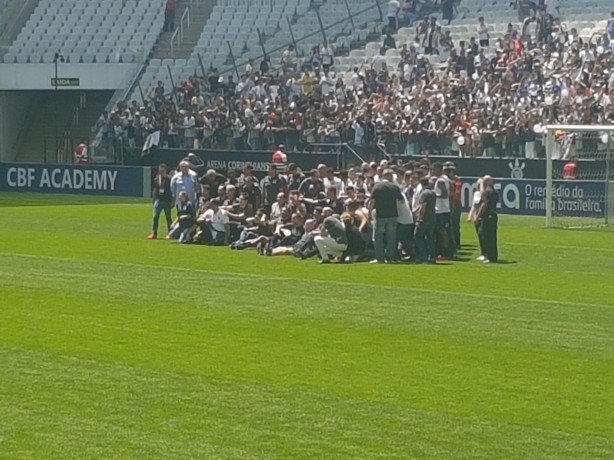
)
(488, 220)
(162, 200)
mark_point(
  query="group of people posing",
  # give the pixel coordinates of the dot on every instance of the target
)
(380, 213)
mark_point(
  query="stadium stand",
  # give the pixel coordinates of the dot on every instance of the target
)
(237, 23)
(421, 60)
(88, 31)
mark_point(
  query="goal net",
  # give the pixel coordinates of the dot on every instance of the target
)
(579, 176)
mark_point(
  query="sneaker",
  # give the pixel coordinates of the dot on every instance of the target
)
(480, 259)
(167, 237)
(152, 236)
(486, 261)
(440, 257)
(374, 261)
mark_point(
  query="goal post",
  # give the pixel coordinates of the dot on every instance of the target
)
(579, 175)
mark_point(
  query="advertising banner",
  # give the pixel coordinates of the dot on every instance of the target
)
(80, 180)
(518, 168)
(223, 160)
(528, 197)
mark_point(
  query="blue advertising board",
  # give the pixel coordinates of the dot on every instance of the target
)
(80, 180)
(527, 197)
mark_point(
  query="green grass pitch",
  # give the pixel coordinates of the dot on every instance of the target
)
(112, 346)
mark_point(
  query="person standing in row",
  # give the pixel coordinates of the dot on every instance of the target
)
(473, 213)
(162, 200)
(186, 181)
(384, 199)
(488, 221)
(442, 210)
(425, 223)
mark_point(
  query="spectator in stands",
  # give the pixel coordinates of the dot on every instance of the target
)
(393, 10)
(492, 98)
(389, 42)
(327, 55)
(447, 9)
(169, 15)
(483, 33)
(610, 29)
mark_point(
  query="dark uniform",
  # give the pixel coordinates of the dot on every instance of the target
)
(488, 223)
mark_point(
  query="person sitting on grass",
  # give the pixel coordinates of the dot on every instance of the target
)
(282, 243)
(254, 228)
(181, 228)
(214, 225)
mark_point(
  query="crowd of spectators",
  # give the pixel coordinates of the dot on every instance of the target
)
(380, 212)
(484, 97)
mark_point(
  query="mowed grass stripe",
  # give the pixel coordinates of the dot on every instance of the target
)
(348, 281)
(555, 284)
(535, 323)
(220, 418)
(569, 391)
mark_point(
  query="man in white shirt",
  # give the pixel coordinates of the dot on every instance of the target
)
(357, 81)
(326, 54)
(378, 63)
(189, 124)
(325, 84)
(483, 35)
(393, 9)
(442, 212)
(216, 221)
(331, 181)
(405, 227)
(359, 132)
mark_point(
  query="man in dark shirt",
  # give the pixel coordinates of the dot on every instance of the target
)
(162, 199)
(384, 199)
(312, 186)
(333, 241)
(331, 201)
(295, 177)
(488, 220)
(271, 185)
(251, 188)
(213, 180)
(425, 223)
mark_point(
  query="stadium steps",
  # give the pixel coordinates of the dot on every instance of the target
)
(198, 18)
(40, 131)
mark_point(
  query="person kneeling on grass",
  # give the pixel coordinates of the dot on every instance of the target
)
(181, 228)
(332, 241)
